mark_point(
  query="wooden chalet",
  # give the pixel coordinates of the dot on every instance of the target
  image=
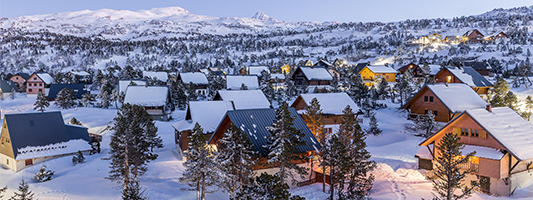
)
(31, 138)
(39, 82)
(154, 99)
(198, 79)
(482, 68)
(372, 73)
(417, 70)
(452, 39)
(446, 101)
(20, 80)
(6, 88)
(473, 36)
(503, 143)
(498, 35)
(315, 77)
(466, 75)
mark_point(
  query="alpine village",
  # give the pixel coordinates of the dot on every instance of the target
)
(415, 109)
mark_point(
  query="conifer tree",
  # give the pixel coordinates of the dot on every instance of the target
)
(529, 106)
(235, 160)
(105, 100)
(283, 146)
(78, 158)
(200, 167)
(501, 88)
(383, 89)
(65, 98)
(449, 176)
(243, 87)
(426, 123)
(41, 103)
(266, 87)
(178, 94)
(336, 157)
(43, 175)
(115, 96)
(359, 180)
(314, 120)
(373, 125)
(2, 190)
(24, 192)
(191, 92)
(75, 121)
(130, 145)
(86, 100)
(510, 100)
(134, 192)
(266, 187)
(12, 94)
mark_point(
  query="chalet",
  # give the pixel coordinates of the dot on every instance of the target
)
(372, 73)
(39, 82)
(323, 63)
(254, 124)
(503, 144)
(360, 66)
(452, 39)
(482, 68)
(277, 80)
(215, 71)
(446, 101)
(31, 138)
(332, 105)
(435, 38)
(243, 99)
(236, 82)
(78, 90)
(473, 36)
(338, 63)
(466, 75)
(496, 36)
(6, 88)
(154, 99)
(286, 69)
(124, 84)
(257, 70)
(81, 77)
(161, 76)
(417, 70)
(308, 63)
(314, 77)
(20, 79)
(206, 113)
(198, 79)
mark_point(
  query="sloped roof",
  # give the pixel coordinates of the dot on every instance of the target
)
(469, 76)
(434, 69)
(7, 85)
(147, 96)
(279, 76)
(80, 73)
(254, 122)
(162, 76)
(46, 78)
(56, 88)
(360, 66)
(323, 63)
(381, 69)
(457, 97)
(257, 70)
(478, 65)
(197, 78)
(235, 82)
(244, 99)
(25, 76)
(316, 73)
(123, 84)
(41, 129)
(207, 113)
(330, 103)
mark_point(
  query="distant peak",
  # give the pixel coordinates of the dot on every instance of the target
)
(261, 16)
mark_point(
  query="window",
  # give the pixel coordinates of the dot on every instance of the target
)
(436, 113)
(29, 162)
(40, 90)
(431, 99)
(448, 79)
(7, 161)
(425, 98)
(474, 133)
(29, 90)
(464, 132)
(34, 78)
(40, 84)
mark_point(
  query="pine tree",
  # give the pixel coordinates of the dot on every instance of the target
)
(78, 158)
(12, 94)
(133, 192)
(336, 157)
(243, 87)
(235, 160)
(449, 176)
(426, 123)
(283, 146)
(24, 192)
(266, 87)
(2, 190)
(529, 106)
(86, 100)
(191, 92)
(200, 167)
(130, 145)
(359, 180)
(105, 100)
(314, 120)
(65, 98)
(383, 89)
(178, 94)
(266, 187)
(510, 100)
(75, 121)
(41, 103)
(115, 96)
(373, 125)
(501, 88)
(43, 175)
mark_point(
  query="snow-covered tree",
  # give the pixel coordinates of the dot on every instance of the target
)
(12, 94)
(501, 88)
(201, 166)
(360, 180)
(75, 121)
(105, 100)
(426, 123)
(336, 157)
(267, 88)
(529, 106)
(65, 98)
(43, 175)
(134, 192)
(86, 100)
(178, 94)
(216, 83)
(235, 160)
(314, 120)
(383, 89)
(448, 173)
(191, 92)
(130, 145)
(266, 187)
(78, 158)
(41, 103)
(243, 87)
(283, 146)
(115, 96)
(2, 190)
(373, 125)
(23, 193)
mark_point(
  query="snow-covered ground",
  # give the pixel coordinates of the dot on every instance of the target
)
(393, 150)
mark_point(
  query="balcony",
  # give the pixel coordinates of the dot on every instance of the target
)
(472, 167)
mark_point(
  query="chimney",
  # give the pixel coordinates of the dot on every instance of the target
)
(488, 108)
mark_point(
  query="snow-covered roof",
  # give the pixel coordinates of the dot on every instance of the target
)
(279, 76)
(508, 128)
(457, 97)
(424, 152)
(483, 152)
(244, 99)
(235, 82)
(197, 78)
(257, 70)
(331, 103)
(433, 69)
(80, 73)
(162, 76)
(55, 149)
(46, 78)
(146, 96)
(207, 113)
(123, 84)
(469, 76)
(316, 73)
(381, 69)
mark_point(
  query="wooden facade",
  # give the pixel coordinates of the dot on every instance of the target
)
(369, 76)
(425, 100)
(445, 76)
(473, 36)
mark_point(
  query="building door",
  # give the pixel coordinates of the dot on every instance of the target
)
(29, 162)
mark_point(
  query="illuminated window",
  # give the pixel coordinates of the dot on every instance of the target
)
(449, 79)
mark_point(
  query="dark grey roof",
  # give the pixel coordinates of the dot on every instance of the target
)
(55, 88)
(478, 65)
(360, 67)
(25, 76)
(39, 129)
(77, 132)
(469, 75)
(6, 86)
(254, 122)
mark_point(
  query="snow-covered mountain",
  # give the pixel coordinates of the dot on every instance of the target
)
(262, 17)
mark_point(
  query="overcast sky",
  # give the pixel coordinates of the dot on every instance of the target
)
(287, 10)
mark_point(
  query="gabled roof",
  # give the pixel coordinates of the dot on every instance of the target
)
(31, 130)
(45, 77)
(123, 84)
(197, 78)
(258, 70)
(381, 69)
(7, 85)
(469, 76)
(316, 73)
(323, 63)
(457, 97)
(254, 124)
(162, 76)
(330, 103)
(244, 99)
(478, 65)
(80, 73)
(507, 127)
(235, 82)
(25, 76)
(279, 76)
(360, 66)
(207, 113)
(147, 96)
(77, 88)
